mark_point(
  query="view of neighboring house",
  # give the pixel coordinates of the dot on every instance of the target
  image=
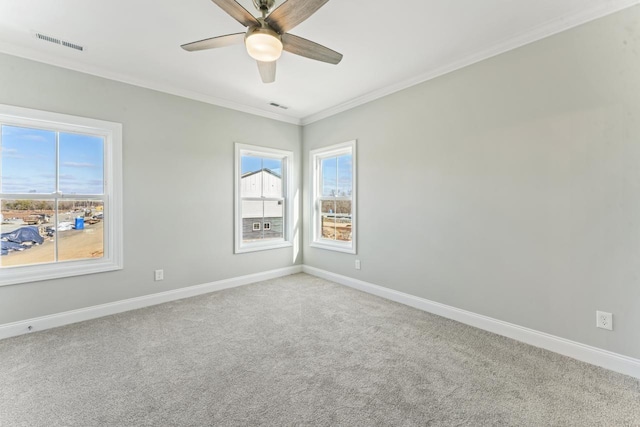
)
(261, 217)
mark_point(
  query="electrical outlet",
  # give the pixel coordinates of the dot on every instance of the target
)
(357, 264)
(159, 275)
(604, 320)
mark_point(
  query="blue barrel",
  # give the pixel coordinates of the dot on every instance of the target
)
(79, 223)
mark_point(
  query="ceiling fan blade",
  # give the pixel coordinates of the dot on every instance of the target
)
(267, 71)
(291, 13)
(215, 42)
(309, 49)
(237, 12)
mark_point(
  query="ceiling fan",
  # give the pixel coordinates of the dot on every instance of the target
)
(266, 37)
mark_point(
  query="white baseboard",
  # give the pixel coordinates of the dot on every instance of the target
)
(585, 353)
(60, 319)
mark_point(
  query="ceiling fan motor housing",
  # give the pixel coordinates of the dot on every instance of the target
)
(264, 5)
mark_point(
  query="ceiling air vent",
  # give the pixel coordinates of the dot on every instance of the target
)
(47, 38)
(72, 46)
(60, 42)
(274, 104)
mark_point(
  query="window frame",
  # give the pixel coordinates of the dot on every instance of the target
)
(112, 198)
(287, 197)
(315, 166)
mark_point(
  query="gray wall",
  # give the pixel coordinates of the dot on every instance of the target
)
(510, 188)
(178, 173)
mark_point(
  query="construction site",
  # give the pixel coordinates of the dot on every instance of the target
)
(33, 236)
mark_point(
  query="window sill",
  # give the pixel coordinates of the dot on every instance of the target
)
(263, 247)
(337, 247)
(35, 273)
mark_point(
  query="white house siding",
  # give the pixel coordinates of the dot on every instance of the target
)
(262, 184)
(252, 184)
(262, 209)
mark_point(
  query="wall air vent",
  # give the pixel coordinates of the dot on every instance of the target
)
(60, 42)
(275, 104)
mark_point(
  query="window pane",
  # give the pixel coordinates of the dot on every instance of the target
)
(251, 180)
(257, 212)
(343, 220)
(28, 160)
(336, 220)
(273, 214)
(26, 232)
(80, 229)
(328, 215)
(252, 213)
(345, 175)
(329, 170)
(81, 164)
(272, 178)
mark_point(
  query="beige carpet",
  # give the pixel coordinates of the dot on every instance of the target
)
(297, 351)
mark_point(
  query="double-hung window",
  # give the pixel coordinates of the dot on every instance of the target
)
(333, 199)
(263, 214)
(60, 195)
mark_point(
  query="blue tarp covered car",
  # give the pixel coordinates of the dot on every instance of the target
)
(15, 240)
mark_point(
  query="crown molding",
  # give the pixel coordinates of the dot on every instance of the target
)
(45, 58)
(548, 29)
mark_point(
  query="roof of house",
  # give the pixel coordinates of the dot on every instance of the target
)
(262, 170)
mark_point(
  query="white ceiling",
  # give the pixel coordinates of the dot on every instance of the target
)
(387, 45)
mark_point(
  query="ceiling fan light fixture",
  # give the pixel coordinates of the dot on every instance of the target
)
(263, 44)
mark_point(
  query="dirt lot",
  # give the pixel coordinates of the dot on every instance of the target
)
(330, 228)
(73, 244)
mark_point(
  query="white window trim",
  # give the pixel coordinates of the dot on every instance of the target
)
(287, 193)
(315, 156)
(254, 228)
(113, 234)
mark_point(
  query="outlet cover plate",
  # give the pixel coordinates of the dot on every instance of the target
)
(604, 320)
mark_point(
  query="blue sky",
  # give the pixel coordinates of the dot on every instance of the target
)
(29, 162)
(252, 164)
(336, 175)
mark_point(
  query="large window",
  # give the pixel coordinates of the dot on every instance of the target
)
(262, 198)
(334, 197)
(60, 195)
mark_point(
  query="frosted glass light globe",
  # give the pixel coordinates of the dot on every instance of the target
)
(262, 45)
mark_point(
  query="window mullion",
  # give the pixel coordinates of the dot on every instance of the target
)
(28, 196)
(64, 196)
(336, 193)
(57, 187)
(56, 221)
(262, 195)
(319, 190)
(1, 159)
(57, 200)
